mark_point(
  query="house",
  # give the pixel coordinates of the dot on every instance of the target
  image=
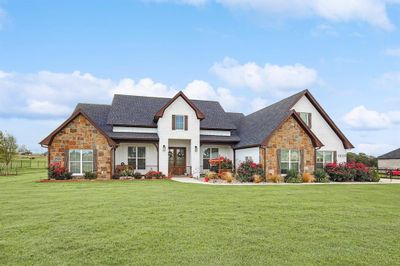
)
(179, 136)
(390, 160)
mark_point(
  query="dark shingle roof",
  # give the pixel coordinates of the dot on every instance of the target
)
(99, 113)
(256, 127)
(131, 110)
(391, 155)
(219, 139)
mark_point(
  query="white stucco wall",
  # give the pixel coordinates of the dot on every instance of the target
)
(121, 155)
(253, 153)
(389, 163)
(322, 129)
(215, 132)
(165, 133)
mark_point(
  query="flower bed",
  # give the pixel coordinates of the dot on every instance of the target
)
(351, 172)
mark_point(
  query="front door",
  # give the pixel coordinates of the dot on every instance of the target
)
(177, 161)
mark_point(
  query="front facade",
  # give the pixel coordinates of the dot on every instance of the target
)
(179, 136)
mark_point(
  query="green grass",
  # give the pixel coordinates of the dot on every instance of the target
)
(164, 222)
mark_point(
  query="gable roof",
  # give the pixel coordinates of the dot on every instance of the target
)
(346, 143)
(391, 155)
(129, 110)
(256, 127)
(160, 112)
(93, 115)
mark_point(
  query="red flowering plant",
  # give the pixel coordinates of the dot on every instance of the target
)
(220, 163)
(247, 170)
(154, 174)
(345, 172)
(58, 172)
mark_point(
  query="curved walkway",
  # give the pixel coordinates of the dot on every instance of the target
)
(197, 181)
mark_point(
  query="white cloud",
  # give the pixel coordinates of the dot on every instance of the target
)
(365, 119)
(49, 95)
(258, 103)
(278, 80)
(372, 12)
(201, 90)
(375, 149)
(392, 52)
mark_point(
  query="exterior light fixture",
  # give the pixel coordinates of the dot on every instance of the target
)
(164, 148)
(195, 148)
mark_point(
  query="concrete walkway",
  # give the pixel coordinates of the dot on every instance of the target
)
(198, 181)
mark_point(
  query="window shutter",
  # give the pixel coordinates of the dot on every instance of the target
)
(186, 122)
(302, 161)
(309, 120)
(335, 156)
(173, 122)
(279, 161)
(66, 159)
(94, 160)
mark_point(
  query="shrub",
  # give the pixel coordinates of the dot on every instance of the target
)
(321, 176)
(229, 177)
(90, 175)
(126, 172)
(226, 175)
(137, 175)
(58, 172)
(154, 174)
(375, 177)
(345, 172)
(291, 174)
(308, 178)
(211, 175)
(257, 178)
(221, 163)
(115, 176)
(275, 178)
(247, 170)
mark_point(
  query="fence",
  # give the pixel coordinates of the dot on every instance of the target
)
(19, 164)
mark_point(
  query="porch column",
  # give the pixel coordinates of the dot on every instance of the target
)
(163, 155)
(195, 156)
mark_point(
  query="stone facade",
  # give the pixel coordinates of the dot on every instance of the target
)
(289, 136)
(81, 134)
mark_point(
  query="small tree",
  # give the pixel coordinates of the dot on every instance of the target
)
(8, 149)
(23, 150)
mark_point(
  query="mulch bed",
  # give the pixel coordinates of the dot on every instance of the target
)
(92, 180)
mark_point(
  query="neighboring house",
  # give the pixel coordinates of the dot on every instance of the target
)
(390, 160)
(179, 136)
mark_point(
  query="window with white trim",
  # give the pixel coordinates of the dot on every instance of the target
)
(180, 122)
(323, 158)
(306, 117)
(80, 161)
(137, 157)
(209, 153)
(290, 159)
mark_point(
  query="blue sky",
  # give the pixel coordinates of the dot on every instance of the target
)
(244, 53)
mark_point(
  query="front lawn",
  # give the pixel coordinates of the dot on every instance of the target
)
(164, 222)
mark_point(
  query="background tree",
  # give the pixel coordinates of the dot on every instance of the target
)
(8, 149)
(23, 150)
(368, 160)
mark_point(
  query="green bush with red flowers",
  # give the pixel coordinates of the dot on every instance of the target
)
(350, 172)
(154, 175)
(246, 171)
(58, 172)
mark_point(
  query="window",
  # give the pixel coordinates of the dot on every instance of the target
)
(179, 122)
(290, 159)
(137, 157)
(324, 157)
(209, 153)
(306, 117)
(80, 161)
